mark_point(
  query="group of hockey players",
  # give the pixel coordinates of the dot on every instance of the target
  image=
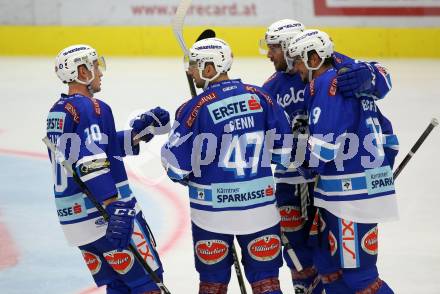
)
(315, 119)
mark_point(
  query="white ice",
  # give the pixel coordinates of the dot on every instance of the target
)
(409, 258)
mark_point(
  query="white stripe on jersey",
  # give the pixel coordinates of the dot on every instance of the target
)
(91, 158)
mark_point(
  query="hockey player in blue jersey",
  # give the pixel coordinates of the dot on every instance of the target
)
(219, 147)
(83, 129)
(292, 191)
(351, 149)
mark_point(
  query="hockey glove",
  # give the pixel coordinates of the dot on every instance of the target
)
(356, 79)
(153, 122)
(121, 223)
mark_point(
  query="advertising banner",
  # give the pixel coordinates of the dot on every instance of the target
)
(377, 7)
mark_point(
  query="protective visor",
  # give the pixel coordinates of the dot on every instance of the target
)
(101, 64)
(263, 48)
(187, 62)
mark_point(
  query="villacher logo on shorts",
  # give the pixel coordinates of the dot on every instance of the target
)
(291, 219)
(211, 251)
(369, 241)
(265, 248)
(93, 261)
(121, 262)
(333, 243)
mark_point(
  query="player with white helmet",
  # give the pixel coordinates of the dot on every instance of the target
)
(83, 129)
(216, 150)
(214, 51)
(311, 41)
(278, 37)
(287, 87)
(350, 200)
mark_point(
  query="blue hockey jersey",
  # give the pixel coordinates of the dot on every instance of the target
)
(221, 146)
(83, 129)
(288, 90)
(351, 147)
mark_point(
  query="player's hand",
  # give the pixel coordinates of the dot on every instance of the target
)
(355, 79)
(162, 121)
(153, 122)
(121, 223)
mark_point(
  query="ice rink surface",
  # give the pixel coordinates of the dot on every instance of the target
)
(35, 258)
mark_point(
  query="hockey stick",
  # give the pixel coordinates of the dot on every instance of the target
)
(177, 24)
(396, 173)
(419, 142)
(208, 33)
(103, 212)
(291, 252)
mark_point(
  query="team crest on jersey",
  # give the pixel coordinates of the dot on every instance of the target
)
(121, 262)
(211, 251)
(370, 241)
(321, 223)
(291, 219)
(93, 261)
(333, 243)
(333, 87)
(265, 248)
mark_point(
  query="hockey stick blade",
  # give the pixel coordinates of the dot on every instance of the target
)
(60, 157)
(419, 142)
(177, 23)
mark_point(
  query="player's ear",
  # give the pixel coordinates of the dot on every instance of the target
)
(315, 60)
(82, 72)
(210, 70)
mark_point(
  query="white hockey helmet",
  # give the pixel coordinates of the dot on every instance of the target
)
(212, 50)
(311, 40)
(68, 60)
(280, 33)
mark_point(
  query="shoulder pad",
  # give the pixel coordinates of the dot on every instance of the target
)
(70, 108)
(96, 106)
(195, 107)
(333, 87)
(381, 69)
(258, 91)
(270, 78)
(179, 110)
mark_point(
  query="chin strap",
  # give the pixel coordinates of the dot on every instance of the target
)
(207, 81)
(88, 83)
(289, 62)
(311, 69)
